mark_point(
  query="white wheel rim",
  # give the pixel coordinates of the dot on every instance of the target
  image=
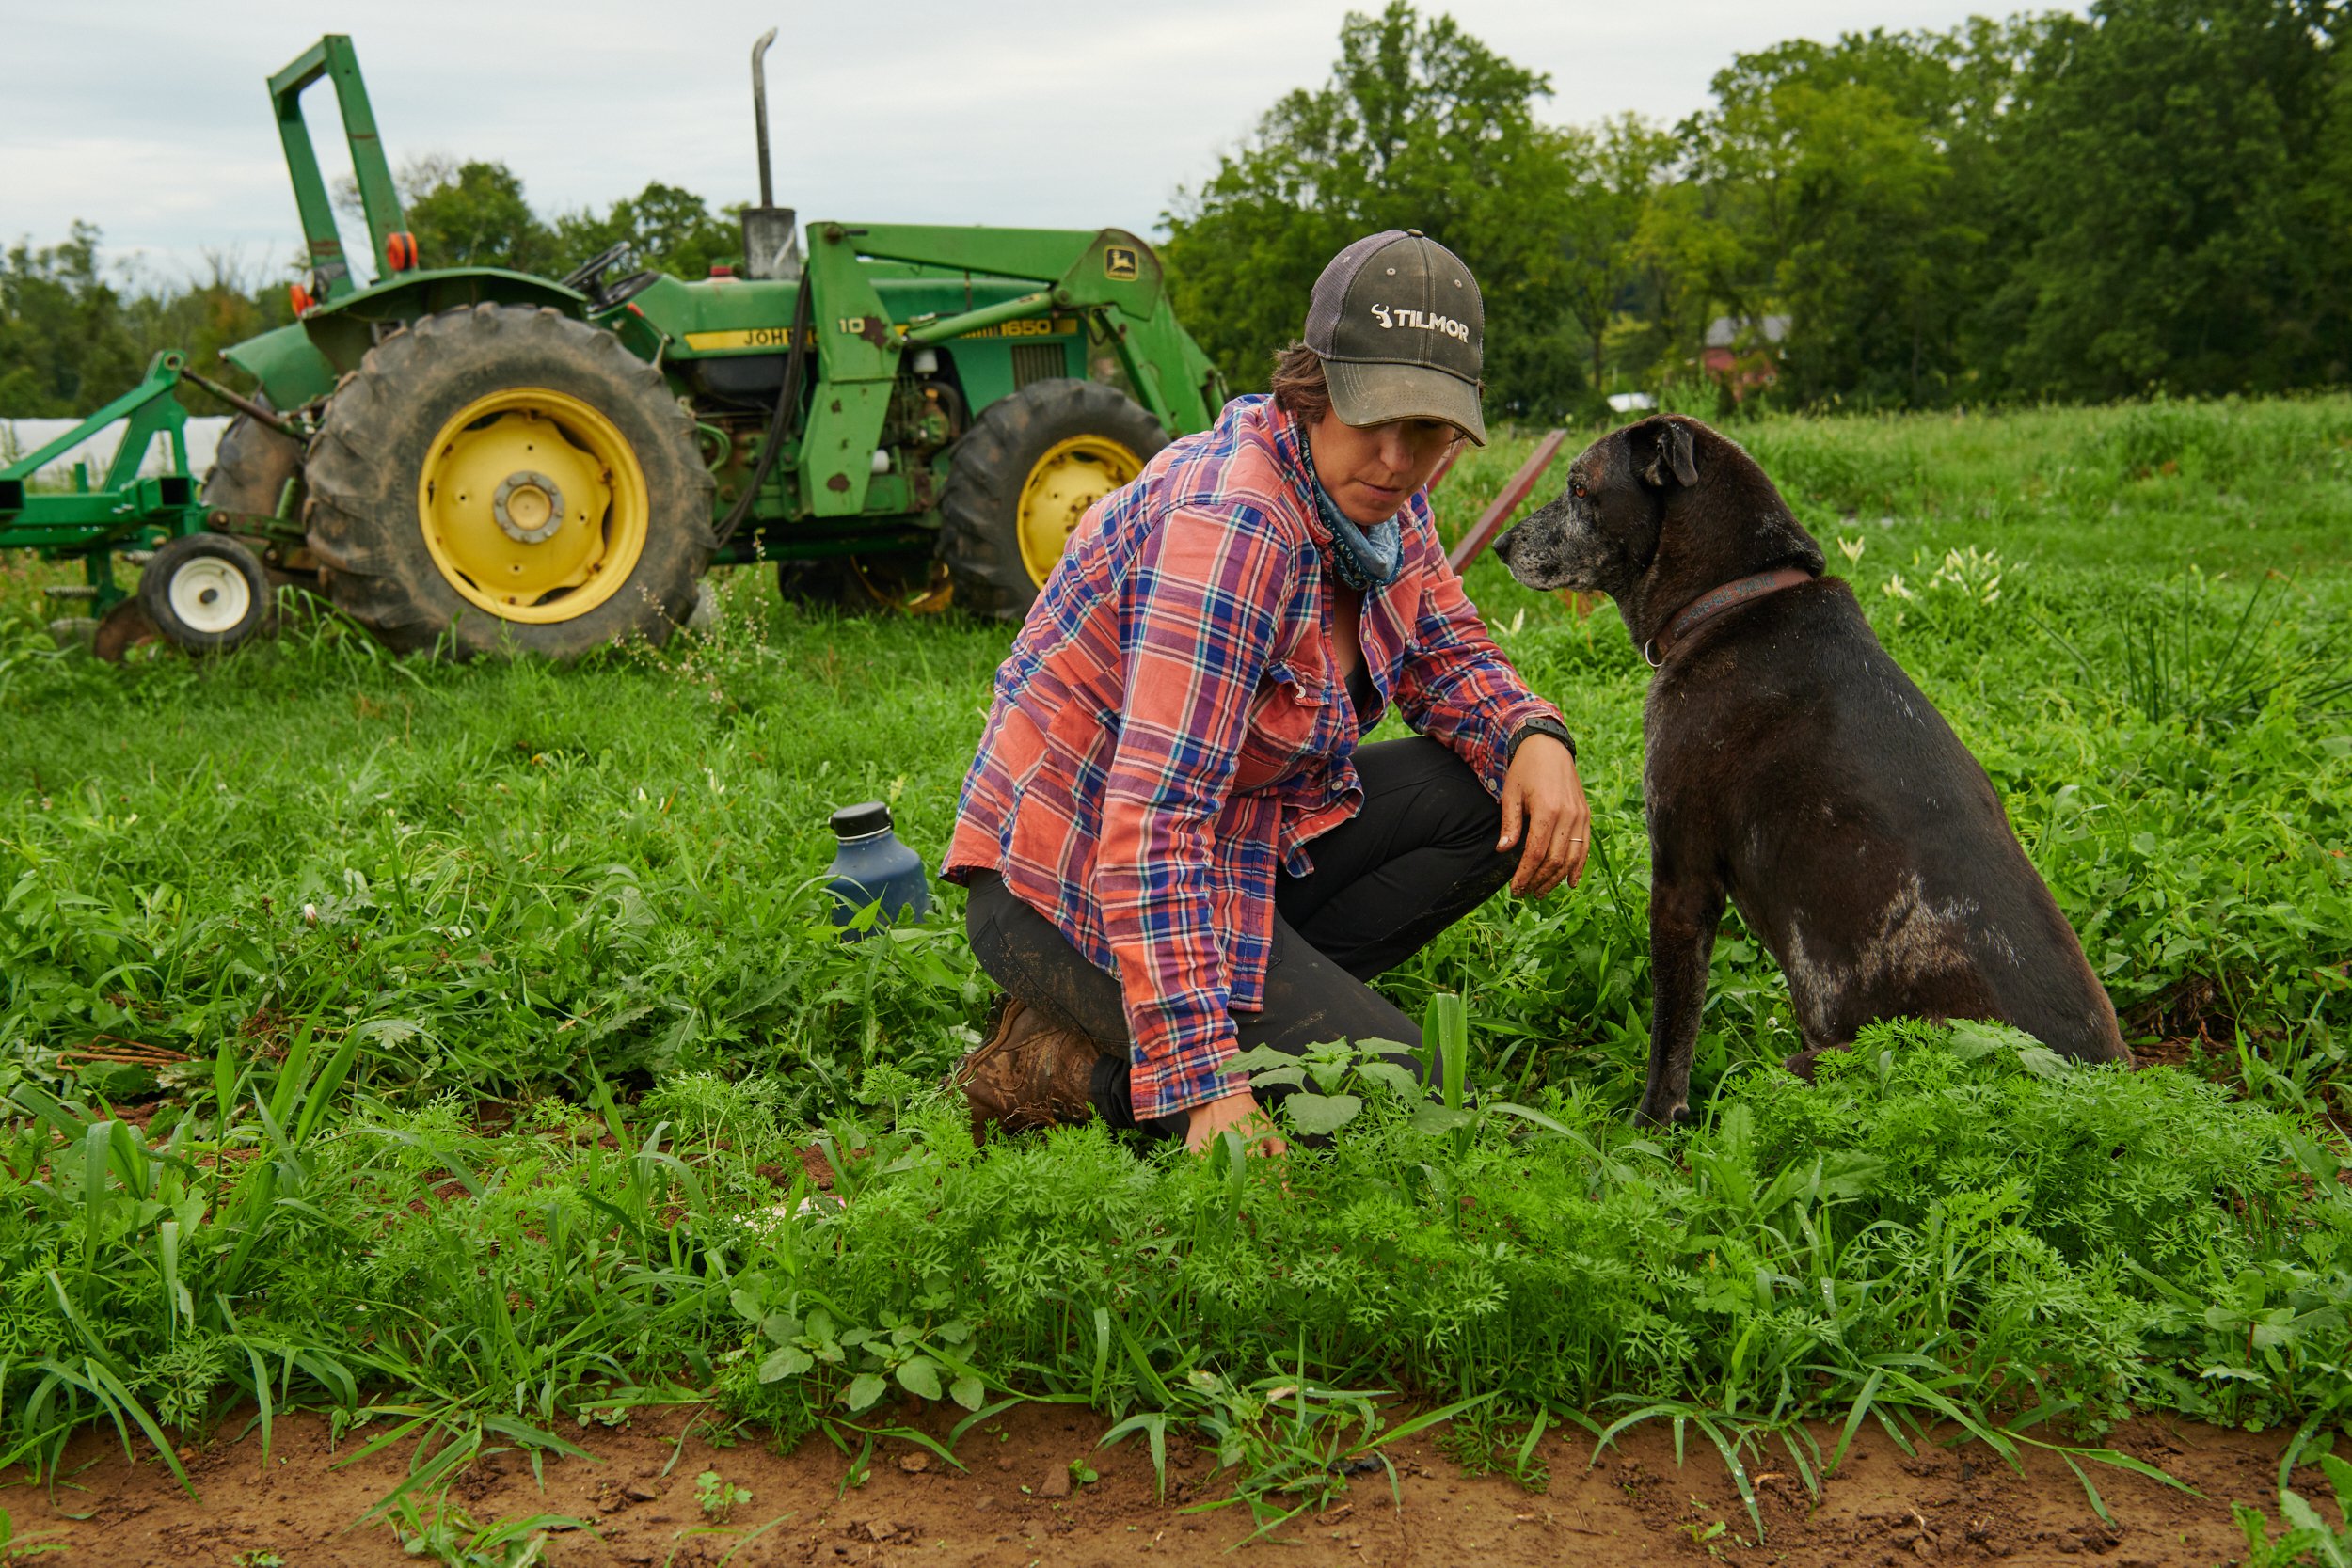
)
(209, 596)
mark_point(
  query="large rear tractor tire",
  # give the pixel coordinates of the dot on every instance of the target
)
(1022, 478)
(504, 478)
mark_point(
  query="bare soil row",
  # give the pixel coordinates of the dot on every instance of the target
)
(1012, 1506)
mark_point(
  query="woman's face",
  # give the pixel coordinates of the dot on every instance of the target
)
(1371, 470)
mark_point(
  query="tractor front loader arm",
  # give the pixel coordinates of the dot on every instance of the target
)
(1169, 373)
(1108, 267)
(1109, 273)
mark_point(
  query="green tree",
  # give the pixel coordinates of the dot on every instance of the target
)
(1615, 170)
(1847, 235)
(666, 228)
(1854, 175)
(2175, 185)
(468, 212)
(1688, 260)
(71, 338)
(477, 218)
(224, 307)
(64, 345)
(1421, 126)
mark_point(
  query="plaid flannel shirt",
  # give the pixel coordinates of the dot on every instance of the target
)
(1170, 730)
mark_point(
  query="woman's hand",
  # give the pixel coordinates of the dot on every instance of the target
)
(1238, 1111)
(1542, 793)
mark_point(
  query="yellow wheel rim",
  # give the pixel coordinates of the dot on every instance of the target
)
(1062, 486)
(532, 505)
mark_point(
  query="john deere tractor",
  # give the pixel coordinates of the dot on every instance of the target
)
(475, 459)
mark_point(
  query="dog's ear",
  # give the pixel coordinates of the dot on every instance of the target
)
(1674, 454)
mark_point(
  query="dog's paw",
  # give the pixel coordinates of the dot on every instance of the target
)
(1658, 1117)
(1802, 1063)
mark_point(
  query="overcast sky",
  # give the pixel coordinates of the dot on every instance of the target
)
(150, 119)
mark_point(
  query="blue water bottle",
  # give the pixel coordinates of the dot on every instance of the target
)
(871, 865)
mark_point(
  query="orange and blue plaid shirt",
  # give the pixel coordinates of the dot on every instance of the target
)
(1170, 730)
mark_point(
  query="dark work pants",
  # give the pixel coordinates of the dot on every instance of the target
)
(1417, 857)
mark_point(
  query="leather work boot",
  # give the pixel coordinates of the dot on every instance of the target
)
(1031, 1074)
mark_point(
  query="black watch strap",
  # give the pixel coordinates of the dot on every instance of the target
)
(1551, 727)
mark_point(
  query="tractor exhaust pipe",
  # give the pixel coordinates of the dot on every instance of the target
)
(759, 112)
(772, 235)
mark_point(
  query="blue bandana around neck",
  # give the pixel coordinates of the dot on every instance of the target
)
(1364, 562)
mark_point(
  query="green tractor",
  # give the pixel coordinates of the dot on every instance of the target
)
(473, 459)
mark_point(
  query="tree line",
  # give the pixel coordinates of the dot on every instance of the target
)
(2150, 197)
(2153, 197)
(73, 337)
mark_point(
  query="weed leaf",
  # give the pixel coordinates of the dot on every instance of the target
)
(919, 1374)
(1320, 1115)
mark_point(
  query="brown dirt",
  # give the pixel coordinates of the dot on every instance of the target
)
(1883, 1506)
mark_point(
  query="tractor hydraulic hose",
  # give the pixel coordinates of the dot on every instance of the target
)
(246, 406)
(787, 405)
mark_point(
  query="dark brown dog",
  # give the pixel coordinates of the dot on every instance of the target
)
(1792, 766)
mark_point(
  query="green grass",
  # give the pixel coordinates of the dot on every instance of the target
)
(483, 1012)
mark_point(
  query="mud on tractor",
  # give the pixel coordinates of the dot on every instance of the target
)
(473, 459)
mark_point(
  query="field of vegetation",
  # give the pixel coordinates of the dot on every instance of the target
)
(439, 1046)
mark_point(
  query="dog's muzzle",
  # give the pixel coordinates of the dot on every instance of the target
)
(1552, 547)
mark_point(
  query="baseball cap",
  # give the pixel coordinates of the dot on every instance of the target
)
(1397, 321)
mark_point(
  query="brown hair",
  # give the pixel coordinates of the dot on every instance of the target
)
(1298, 387)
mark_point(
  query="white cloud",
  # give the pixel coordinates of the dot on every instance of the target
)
(149, 118)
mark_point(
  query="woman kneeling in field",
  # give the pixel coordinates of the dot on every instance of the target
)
(1176, 847)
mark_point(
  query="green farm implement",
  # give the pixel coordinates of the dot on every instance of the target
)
(156, 519)
(472, 459)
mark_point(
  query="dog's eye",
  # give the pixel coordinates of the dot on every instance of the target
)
(1578, 490)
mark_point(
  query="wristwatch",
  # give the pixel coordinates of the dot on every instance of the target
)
(1551, 727)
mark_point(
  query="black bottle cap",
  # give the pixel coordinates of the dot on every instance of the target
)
(859, 820)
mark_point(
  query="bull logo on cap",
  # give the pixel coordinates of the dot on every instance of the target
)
(1422, 319)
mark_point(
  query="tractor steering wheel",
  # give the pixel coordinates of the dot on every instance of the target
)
(588, 278)
(626, 290)
(585, 277)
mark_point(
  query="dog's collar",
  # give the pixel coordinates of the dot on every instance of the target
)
(1714, 601)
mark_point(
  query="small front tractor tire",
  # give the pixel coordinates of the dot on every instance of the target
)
(250, 472)
(251, 469)
(122, 628)
(821, 585)
(206, 593)
(894, 584)
(504, 478)
(1024, 475)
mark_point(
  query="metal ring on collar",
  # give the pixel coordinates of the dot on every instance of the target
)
(1654, 660)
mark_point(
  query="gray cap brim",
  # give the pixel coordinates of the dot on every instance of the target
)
(1366, 394)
